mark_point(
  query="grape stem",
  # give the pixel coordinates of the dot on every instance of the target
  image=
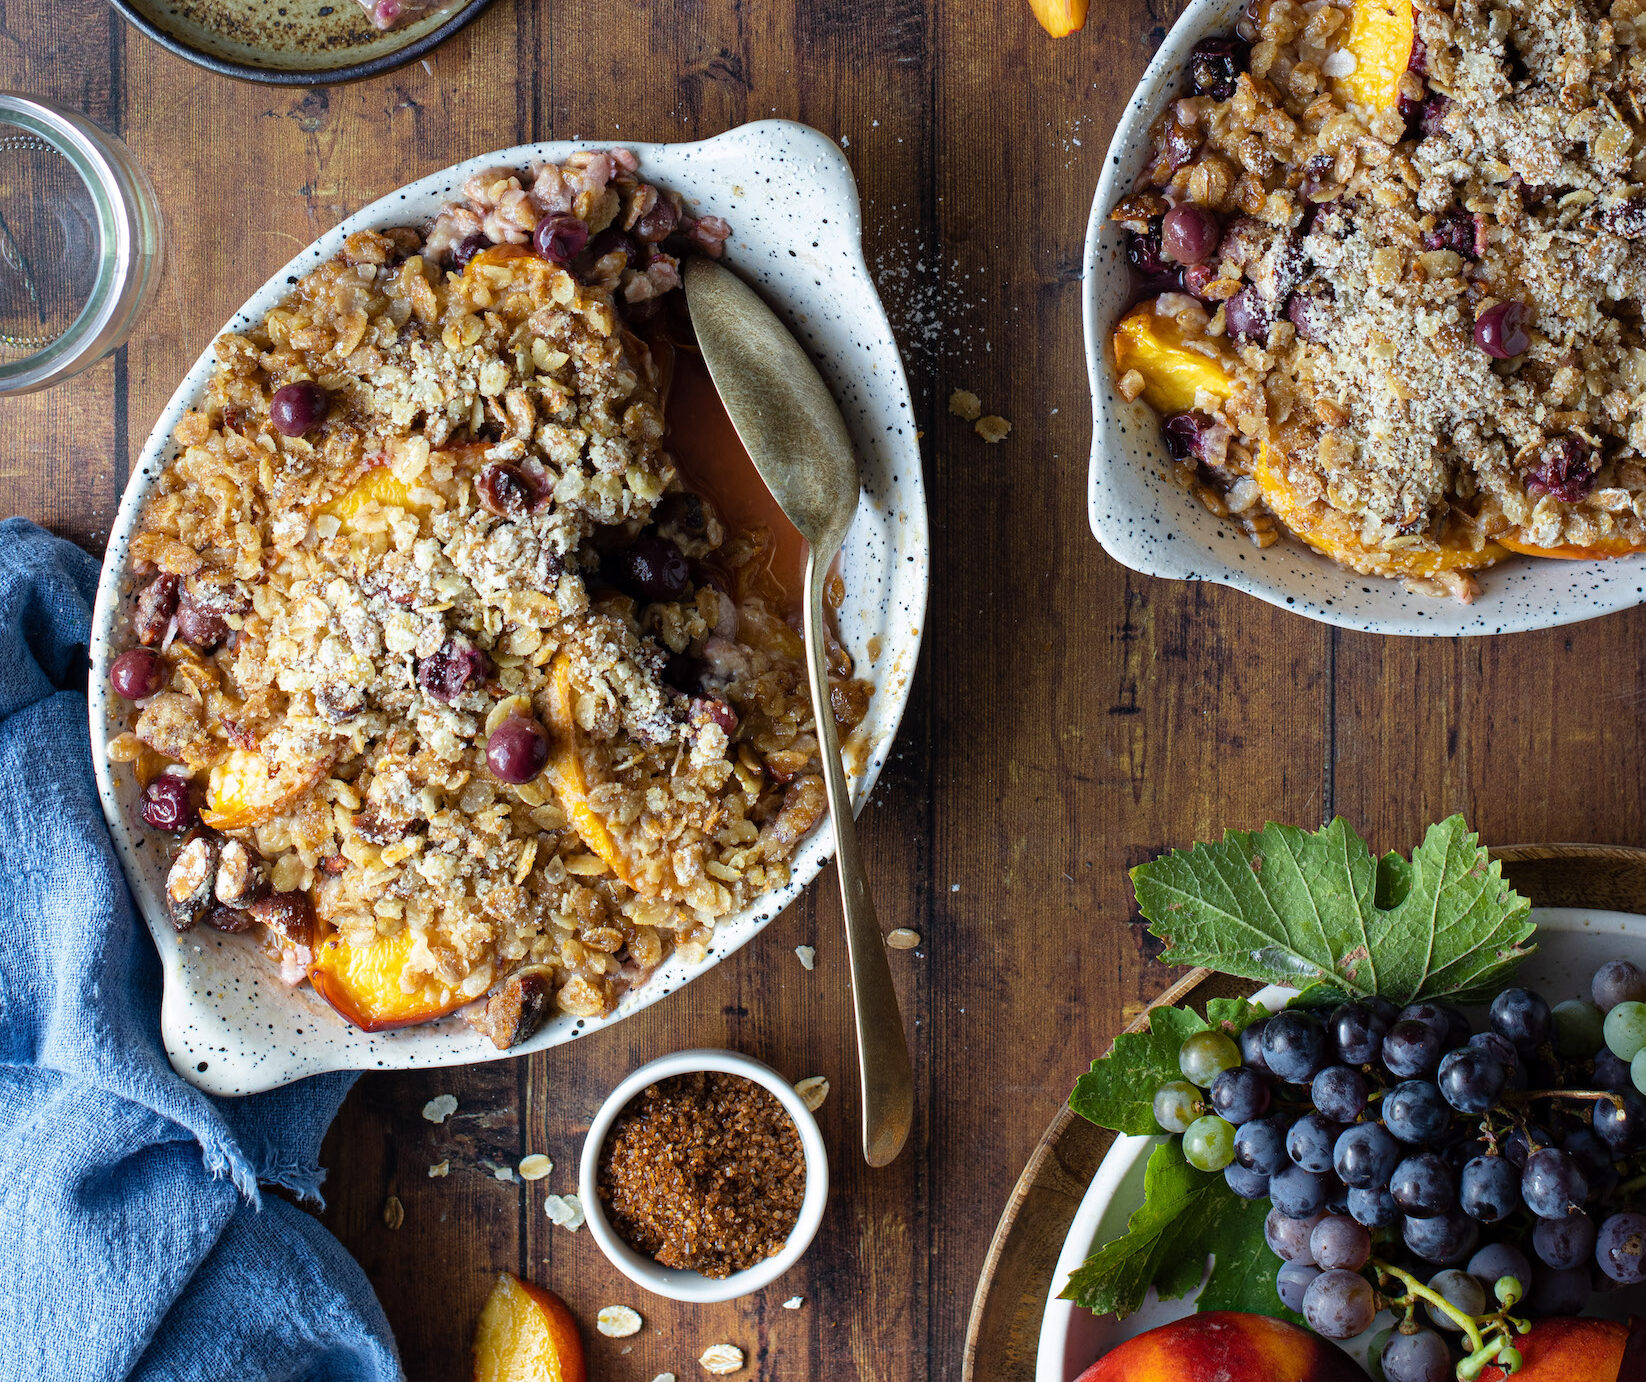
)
(1414, 1287)
(1527, 1096)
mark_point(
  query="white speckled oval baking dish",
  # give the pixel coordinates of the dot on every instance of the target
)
(229, 1024)
(1146, 522)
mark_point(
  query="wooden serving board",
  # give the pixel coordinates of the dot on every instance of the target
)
(1003, 1333)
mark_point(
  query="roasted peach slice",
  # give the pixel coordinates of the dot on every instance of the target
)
(1603, 550)
(1379, 35)
(1059, 18)
(1332, 533)
(380, 486)
(1174, 369)
(363, 983)
(568, 773)
(246, 789)
(526, 1334)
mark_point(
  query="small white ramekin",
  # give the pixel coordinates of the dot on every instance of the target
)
(694, 1286)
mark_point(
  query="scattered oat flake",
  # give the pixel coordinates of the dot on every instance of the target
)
(664, 1377)
(438, 1110)
(807, 956)
(535, 1166)
(813, 1090)
(394, 1213)
(992, 428)
(564, 1211)
(504, 1173)
(966, 405)
(722, 1359)
(903, 938)
(618, 1321)
(794, 1302)
(439, 1168)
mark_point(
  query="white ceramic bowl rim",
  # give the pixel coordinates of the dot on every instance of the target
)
(671, 1281)
(227, 1022)
(1150, 524)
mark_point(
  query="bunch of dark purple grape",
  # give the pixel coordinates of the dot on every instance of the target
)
(1390, 1143)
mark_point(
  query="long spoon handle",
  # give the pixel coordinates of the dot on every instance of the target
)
(886, 1077)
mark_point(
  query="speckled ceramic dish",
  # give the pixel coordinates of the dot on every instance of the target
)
(1146, 522)
(228, 1022)
(292, 42)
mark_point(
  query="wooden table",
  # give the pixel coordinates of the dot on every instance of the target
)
(1069, 718)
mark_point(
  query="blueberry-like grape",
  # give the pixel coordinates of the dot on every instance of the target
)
(1189, 233)
(1620, 1247)
(1522, 1142)
(1612, 1073)
(1412, 1047)
(1291, 1281)
(1559, 1292)
(1357, 1031)
(1625, 1029)
(517, 749)
(1294, 1045)
(1579, 1028)
(1430, 1015)
(1424, 1185)
(1489, 1189)
(1471, 1079)
(1551, 1184)
(1456, 1288)
(1288, 1237)
(1622, 1129)
(1339, 1304)
(1421, 1356)
(1297, 1193)
(1261, 1145)
(1584, 1146)
(1618, 981)
(1240, 1094)
(1208, 1143)
(1310, 1142)
(1339, 1242)
(1563, 1243)
(1245, 1182)
(1373, 1206)
(137, 674)
(1251, 1046)
(1501, 330)
(1365, 1155)
(295, 408)
(1496, 1261)
(1415, 1112)
(166, 803)
(1176, 1105)
(1339, 1092)
(1444, 1239)
(1520, 1017)
(1503, 1049)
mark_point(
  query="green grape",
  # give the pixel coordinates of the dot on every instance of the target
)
(1637, 1070)
(1208, 1143)
(1579, 1028)
(1176, 1105)
(1206, 1055)
(1626, 1029)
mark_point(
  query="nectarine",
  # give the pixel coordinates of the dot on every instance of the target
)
(363, 983)
(568, 772)
(1059, 18)
(1174, 369)
(526, 1334)
(1564, 1350)
(1225, 1346)
(1380, 35)
(1602, 550)
(246, 789)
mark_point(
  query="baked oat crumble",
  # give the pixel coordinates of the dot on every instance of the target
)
(1394, 262)
(464, 698)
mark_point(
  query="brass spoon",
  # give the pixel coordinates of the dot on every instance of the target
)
(792, 428)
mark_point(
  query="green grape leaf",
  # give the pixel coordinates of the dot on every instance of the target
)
(1118, 1092)
(1304, 908)
(1186, 1217)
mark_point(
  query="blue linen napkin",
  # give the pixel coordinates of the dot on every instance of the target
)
(137, 1242)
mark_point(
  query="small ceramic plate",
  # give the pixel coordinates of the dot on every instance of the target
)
(228, 1022)
(1572, 944)
(1152, 525)
(293, 42)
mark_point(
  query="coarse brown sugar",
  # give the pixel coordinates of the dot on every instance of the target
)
(704, 1172)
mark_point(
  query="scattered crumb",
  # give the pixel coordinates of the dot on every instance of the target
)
(564, 1211)
(664, 1377)
(535, 1166)
(807, 956)
(954, 887)
(722, 1359)
(438, 1110)
(617, 1321)
(438, 1169)
(794, 1302)
(1132, 383)
(992, 428)
(965, 405)
(504, 1173)
(394, 1213)
(813, 1090)
(903, 938)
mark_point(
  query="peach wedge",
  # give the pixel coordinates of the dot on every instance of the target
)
(1379, 35)
(246, 789)
(568, 771)
(526, 1334)
(1174, 368)
(1059, 18)
(363, 983)
(1603, 550)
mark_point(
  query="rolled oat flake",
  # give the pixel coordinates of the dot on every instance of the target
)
(618, 1321)
(722, 1359)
